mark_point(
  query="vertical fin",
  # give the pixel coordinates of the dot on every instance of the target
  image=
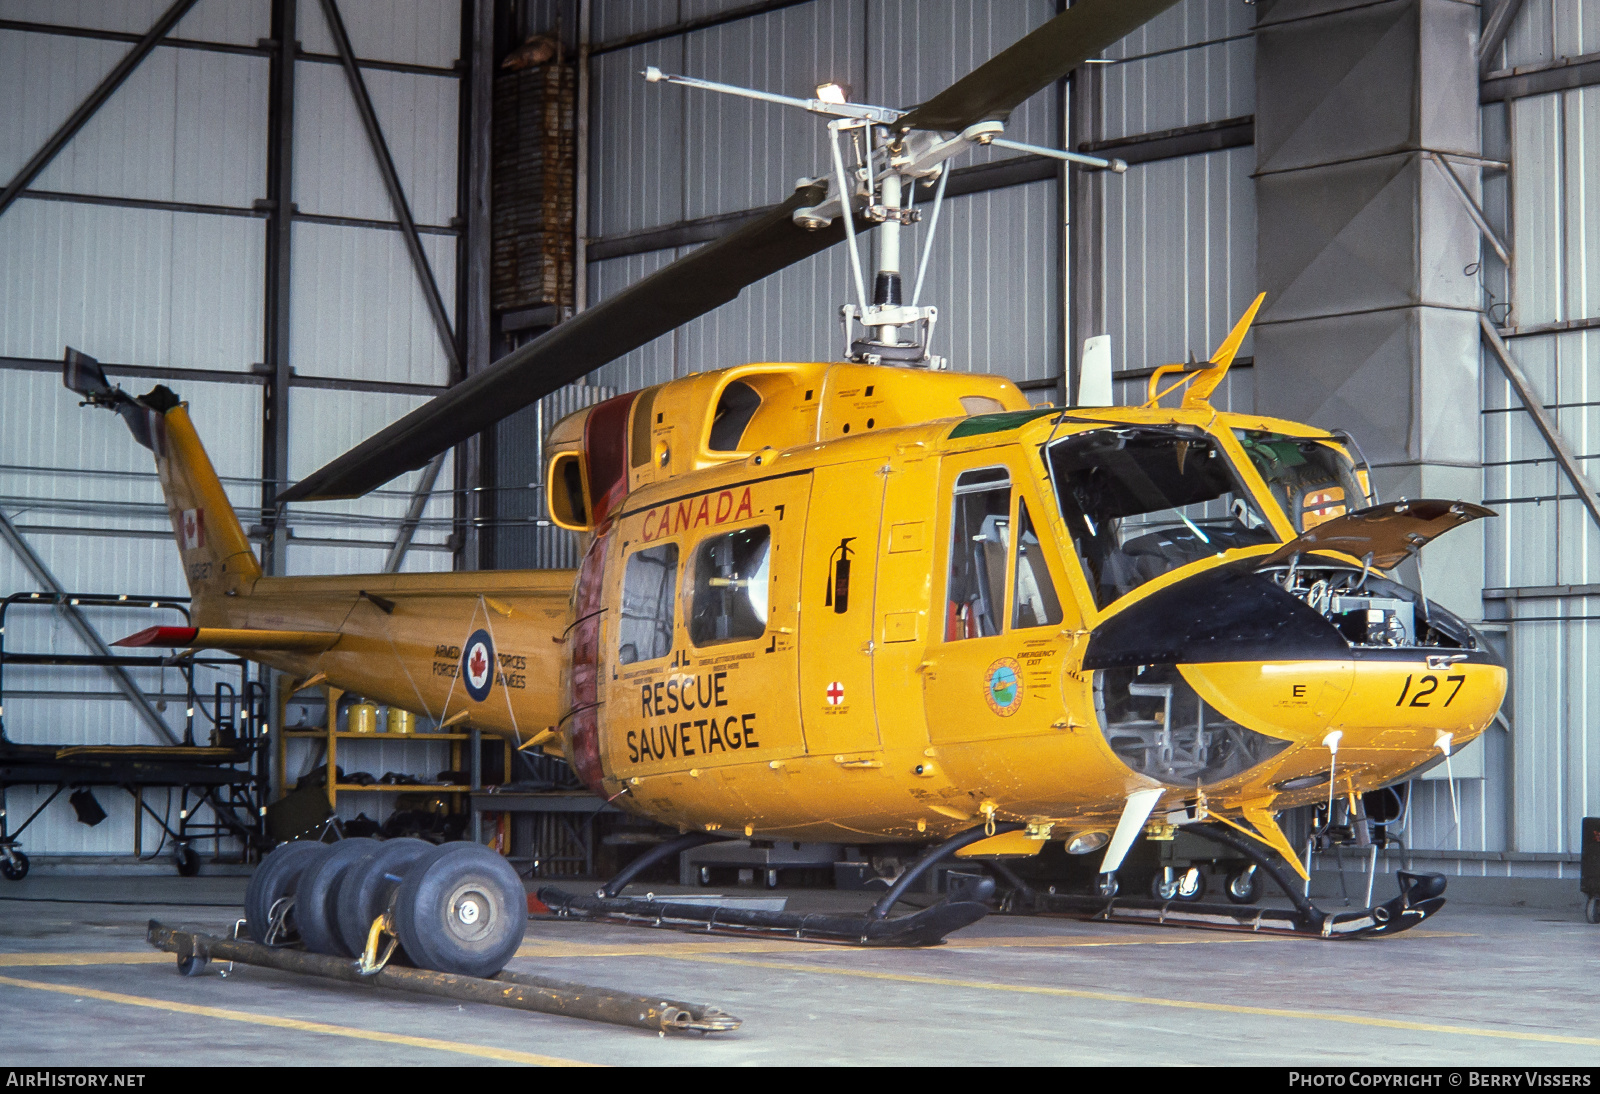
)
(216, 553)
(1206, 380)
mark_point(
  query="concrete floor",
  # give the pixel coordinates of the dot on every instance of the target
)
(79, 986)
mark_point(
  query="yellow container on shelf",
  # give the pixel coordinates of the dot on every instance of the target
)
(402, 721)
(363, 718)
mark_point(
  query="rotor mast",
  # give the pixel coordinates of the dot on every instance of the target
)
(877, 163)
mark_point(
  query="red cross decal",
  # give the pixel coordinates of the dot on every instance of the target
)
(835, 693)
(479, 664)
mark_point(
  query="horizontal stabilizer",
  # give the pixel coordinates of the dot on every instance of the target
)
(231, 638)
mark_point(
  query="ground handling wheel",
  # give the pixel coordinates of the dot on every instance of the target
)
(461, 909)
(1177, 883)
(316, 896)
(366, 886)
(1591, 907)
(1244, 885)
(186, 859)
(14, 865)
(276, 878)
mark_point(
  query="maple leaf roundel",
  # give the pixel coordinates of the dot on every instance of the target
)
(477, 665)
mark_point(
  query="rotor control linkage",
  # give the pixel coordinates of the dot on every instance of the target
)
(504, 989)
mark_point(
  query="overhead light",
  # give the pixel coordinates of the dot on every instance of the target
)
(1099, 61)
(833, 93)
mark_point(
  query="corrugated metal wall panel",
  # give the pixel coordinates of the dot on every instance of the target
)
(742, 154)
(613, 21)
(1556, 232)
(209, 21)
(415, 32)
(1185, 25)
(916, 48)
(324, 425)
(1188, 86)
(1179, 256)
(524, 537)
(149, 140)
(636, 155)
(358, 309)
(135, 286)
(1547, 30)
(335, 172)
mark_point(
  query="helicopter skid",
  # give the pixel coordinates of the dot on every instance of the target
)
(925, 928)
(1420, 897)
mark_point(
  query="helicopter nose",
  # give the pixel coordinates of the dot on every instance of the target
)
(1228, 665)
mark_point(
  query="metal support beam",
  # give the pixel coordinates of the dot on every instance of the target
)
(1541, 419)
(97, 98)
(408, 524)
(1494, 32)
(391, 182)
(280, 235)
(580, 204)
(79, 623)
(1489, 234)
(474, 262)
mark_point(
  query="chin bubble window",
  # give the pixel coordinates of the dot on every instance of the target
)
(645, 624)
(731, 576)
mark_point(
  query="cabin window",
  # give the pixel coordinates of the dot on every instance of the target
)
(639, 440)
(1033, 597)
(980, 539)
(731, 576)
(734, 410)
(648, 586)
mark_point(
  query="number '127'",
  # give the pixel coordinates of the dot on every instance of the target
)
(1430, 685)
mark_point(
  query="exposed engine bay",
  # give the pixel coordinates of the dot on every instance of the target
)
(1370, 611)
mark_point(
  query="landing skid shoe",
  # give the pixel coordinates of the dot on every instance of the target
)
(927, 927)
(1420, 896)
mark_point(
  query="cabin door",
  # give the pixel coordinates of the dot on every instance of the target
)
(838, 582)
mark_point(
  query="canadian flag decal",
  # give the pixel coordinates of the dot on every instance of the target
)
(192, 529)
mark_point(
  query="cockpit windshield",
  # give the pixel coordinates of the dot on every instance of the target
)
(1143, 501)
(1310, 480)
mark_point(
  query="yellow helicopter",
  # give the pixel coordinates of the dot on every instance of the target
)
(872, 600)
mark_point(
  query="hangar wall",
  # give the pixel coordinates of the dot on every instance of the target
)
(147, 243)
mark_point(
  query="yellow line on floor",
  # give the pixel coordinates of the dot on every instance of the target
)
(1149, 1001)
(141, 957)
(540, 948)
(460, 1047)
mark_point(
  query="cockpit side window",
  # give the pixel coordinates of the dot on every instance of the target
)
(980, 540)
(1310, 481)
(1141, 502)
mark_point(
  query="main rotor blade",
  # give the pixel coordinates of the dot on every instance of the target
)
(668, 298)
(995, 88)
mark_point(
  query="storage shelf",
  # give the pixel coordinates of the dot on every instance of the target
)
(345, 735)
(408, 788)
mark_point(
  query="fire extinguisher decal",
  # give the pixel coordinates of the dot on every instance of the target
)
(839, 582)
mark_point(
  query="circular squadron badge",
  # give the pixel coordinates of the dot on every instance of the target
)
(1002, 687)
(477, 665)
